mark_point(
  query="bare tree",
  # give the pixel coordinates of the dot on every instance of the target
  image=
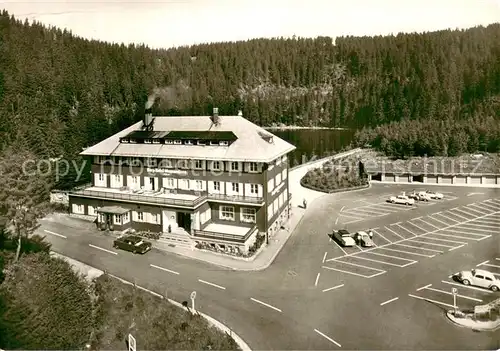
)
(24, 192)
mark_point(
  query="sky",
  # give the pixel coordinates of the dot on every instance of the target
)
(170, 23)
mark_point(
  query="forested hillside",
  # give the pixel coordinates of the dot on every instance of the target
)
(59, 93)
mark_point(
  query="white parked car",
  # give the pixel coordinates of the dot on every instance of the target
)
(401, 199)
(424, 196)
(479, 277)
(434, 195)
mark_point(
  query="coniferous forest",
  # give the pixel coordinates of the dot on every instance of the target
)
(411, 94)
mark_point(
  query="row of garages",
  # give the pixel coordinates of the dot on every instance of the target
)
(461, 179)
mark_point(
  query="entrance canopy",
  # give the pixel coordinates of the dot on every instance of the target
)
(113, 210)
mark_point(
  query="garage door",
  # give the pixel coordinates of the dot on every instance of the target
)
(431, 179)
(389, 178)
(446, 179)
(475, 180)
(460, 179)
(490, 179)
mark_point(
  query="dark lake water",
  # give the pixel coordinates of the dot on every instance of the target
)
(314, 143)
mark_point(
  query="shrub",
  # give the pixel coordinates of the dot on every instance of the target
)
(45, 305)
(155, 323)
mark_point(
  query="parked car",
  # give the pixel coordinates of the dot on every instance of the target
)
(364, 239)
(479, 277)
(419, 196)
(401, 199)
(434, 195)
(132, 243)
(343, 237)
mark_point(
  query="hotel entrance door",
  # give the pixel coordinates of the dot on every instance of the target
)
(184, 220)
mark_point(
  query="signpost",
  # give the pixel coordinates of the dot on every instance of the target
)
(193, 296)
(454, 291)
(131, 343)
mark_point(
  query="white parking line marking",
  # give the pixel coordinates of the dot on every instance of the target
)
(342, 209)
(491, 265)
(383, 237)
(409, 231)
(408, 264)
(481, 225)
(327, 338)
(482, 263)
(389, 229)
(491, 221)
(428, 223)
(340, 247)
(448, 218)
(324, 257)
(425, 243)
(490, 207)
(445, 240)
(346, 272)
(359, 265)
(465, 218)
(212, 284)
(468, 208)
(420, 248)
(429, 300)
(396, 257)
(59, 235)
(337, 220)
(389, 301)
(354, 216)
(449, 293)
(333, 287)
(417, 226)
(461, 232)
(317, 280)
(467, 287)
(164, 269)
(409, 253)
(265, 304)
(488, 236)
(437, 220)
(376, 274)
(383, 262)
(498, 259)
(480, 209)
(424, 287)
(102, 249)
(454, 248)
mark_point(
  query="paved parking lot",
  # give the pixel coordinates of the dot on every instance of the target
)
(467, 296)
(401, 244)
(378, 206)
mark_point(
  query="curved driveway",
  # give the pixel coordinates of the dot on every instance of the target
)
(298, 304)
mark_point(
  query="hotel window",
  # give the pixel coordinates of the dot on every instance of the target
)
(188, 142)
(154, 218)
(216, 186)
(227, 213)
(134, 182)
(248, 215)
(199, 185)
(223, 143)
(270, 211)
(147, 141)
(234, 166)
(198, 164)
(170, 183)
(278, 161)
(79, 209)
(91, 210)
(270, 184)
(284, 174)
(169, 142)
(278, 179)
(216, 165)
(254, 188)
(214, 143)
(177, 142)
(140, 216)
(252, 167)
(151, 162)
(117, 219)
(236, 187)
(125, 217)
(201, 142)
(156, 141)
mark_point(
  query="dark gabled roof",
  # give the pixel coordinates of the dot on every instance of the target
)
(202, 135)
(145, 134)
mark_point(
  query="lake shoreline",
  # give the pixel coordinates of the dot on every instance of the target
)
(302, 128)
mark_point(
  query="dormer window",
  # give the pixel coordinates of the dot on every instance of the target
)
(201, 142)
(156, 141)
(147, 141)
(253, 167)
(170, 142)
(188, 142)
(214, 143)
(177, 142)
(223, 143)
(125, 140)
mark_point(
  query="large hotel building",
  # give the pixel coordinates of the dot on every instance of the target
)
(218, 180)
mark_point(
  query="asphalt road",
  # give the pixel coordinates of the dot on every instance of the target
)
(319, 296)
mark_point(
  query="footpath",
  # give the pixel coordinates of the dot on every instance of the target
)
(266, 255)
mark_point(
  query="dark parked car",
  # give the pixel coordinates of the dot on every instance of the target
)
(132, 243)
(343, 237)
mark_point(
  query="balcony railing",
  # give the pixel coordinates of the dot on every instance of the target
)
(236, 198)
(203, 234)
(140, 198)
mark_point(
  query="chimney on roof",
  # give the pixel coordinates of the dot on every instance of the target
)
(240, 113)
(148, 119)
(215, 116)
